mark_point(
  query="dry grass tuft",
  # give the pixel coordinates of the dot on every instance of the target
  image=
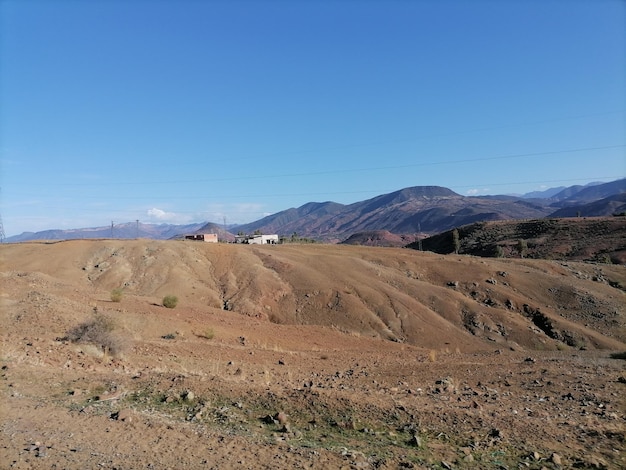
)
(208, 333)
(432, 356)
(99, 332)
(116, 295)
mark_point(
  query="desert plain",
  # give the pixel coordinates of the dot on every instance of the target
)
(307, 356)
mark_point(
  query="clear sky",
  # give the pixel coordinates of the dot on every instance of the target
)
(188, 111)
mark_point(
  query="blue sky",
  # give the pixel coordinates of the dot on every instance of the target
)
(186, 111)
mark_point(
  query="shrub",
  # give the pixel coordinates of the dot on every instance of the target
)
(170, 301)
(116, 295)
(97, 331)
(207, 334)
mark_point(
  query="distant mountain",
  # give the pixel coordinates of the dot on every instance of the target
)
(123, 230)
(426, 209)
(546, 194)
(590, 193)
(615, 204)
(423, 210)
(289, 221)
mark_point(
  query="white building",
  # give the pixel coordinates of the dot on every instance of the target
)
(257, 239)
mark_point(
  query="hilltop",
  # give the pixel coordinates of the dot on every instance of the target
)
(316, 356)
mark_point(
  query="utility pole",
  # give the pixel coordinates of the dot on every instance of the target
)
(1, 230)
(137, 229)
(111, 229)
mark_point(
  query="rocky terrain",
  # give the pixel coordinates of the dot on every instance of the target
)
(307, 356)
(595, 239)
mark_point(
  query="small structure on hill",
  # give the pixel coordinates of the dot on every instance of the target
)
(257, 239)
(202, 237)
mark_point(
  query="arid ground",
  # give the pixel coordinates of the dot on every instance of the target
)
(307, 356)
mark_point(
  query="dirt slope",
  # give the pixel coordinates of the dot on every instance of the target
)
(374, 358)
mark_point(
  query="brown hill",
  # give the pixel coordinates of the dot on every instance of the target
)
(600, 239)
(317, 356)
(382, 238)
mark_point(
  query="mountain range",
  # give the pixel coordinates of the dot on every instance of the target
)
(408, 212)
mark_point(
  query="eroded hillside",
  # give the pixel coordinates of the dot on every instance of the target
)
(401, 295)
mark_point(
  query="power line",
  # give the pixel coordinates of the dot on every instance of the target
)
(346, 170)
(220, 196)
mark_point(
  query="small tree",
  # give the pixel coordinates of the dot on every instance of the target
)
(499, 252)
(170, 301)
(456, 241)
(522, 247)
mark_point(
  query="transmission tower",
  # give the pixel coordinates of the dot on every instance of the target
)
(1, 230)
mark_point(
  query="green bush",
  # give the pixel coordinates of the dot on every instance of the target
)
(116, 295)
(170, 301)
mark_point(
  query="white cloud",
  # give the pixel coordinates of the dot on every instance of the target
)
(159, 215)
(477, 191)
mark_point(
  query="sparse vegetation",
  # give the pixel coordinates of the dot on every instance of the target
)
(295, 238)
(208, 333)
(522, 247)
(170, 301)
(98, 331)
(117, 294)
(432, 356)
(456, 241)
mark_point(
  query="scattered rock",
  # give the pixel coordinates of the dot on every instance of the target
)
(269, 419)
(415, 441)
(556, 459)
(281, 417)
(123, 415)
